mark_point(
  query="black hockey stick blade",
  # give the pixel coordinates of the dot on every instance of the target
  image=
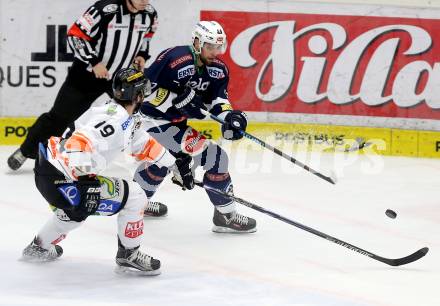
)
(405, 260)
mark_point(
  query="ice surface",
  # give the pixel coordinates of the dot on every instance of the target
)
(278, 265)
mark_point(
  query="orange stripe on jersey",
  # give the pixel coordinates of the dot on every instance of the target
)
(76, 31)
(78, 142)
(53, 143)
(152, 151)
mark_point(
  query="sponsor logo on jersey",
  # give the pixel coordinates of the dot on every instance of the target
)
(186, 71)
(110, 8)
(180, 60)
(70, 193)
(126, 124)
(117, 27)
(66, 181)
(215, 73)
(112, 187)
(140, 28)
(106, 206)
(161, 96)
(199, 85)
(134, 229)
(193, 142)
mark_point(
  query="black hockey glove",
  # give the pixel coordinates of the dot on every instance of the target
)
(183, 175)
(189, 104)
(235, 122)
(90, 191)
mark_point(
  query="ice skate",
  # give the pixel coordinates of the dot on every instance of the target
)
(133, 261)
(16, 160)
(35, 253)
(233, 223)
(155, 209)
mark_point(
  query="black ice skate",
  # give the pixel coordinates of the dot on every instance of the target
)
(133, 261)
(155, 209)
(16, 160)
(34, 252)
(233, 223)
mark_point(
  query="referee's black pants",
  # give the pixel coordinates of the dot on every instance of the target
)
(80, 89)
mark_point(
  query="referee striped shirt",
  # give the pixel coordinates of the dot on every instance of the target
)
(108, 33)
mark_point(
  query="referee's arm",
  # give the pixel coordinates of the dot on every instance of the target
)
(84, 34)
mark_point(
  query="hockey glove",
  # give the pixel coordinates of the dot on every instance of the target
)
(189, 104)
(90, 191)
(183, 175)
(235, 123)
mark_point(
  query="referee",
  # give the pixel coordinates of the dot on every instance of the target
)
(110, 35)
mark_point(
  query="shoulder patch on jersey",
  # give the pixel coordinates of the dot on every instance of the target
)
(226, 107)
(162, 95)
(112, 109)
(189, 70)
(215, 73)
(111, 8)
(180, 60)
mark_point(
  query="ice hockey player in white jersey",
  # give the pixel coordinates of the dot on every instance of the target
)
(67, 174)
(185, 80)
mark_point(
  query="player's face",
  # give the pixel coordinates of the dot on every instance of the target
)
(140, 5)
(210, 52)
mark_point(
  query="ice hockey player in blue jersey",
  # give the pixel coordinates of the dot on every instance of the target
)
(186, 79)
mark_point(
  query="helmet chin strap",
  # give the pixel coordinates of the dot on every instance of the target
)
(197, 56)
(195, 51)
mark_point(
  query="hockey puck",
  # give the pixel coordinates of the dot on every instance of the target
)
(391, 214)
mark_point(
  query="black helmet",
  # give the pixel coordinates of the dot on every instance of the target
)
(129, 85)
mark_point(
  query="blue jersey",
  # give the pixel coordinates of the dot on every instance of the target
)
(172, 71)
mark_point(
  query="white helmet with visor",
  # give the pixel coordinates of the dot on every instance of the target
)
(210, 35)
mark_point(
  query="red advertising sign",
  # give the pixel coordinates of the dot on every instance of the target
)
(332, 64)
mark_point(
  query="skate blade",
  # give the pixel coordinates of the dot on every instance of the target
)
(147, 216)
(135, 272)
(227, 230)
(34, 259)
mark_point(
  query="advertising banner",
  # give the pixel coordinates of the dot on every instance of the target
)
(333, 64)
(290, 61)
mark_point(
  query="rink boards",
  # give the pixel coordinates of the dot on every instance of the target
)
(296, 137)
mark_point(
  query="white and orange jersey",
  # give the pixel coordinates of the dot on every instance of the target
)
(100, 135)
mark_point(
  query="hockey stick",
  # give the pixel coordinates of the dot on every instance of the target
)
(392, 262)
(331, 179)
